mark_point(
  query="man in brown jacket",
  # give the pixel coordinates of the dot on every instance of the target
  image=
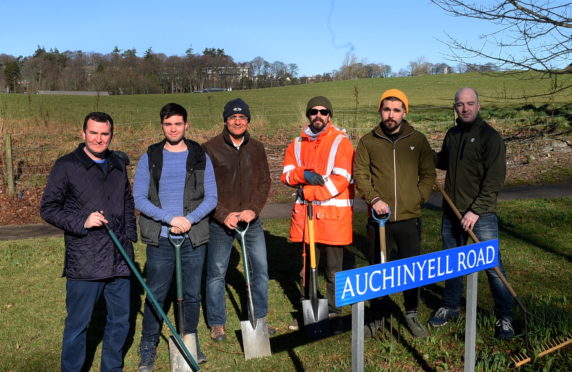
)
(243, 184)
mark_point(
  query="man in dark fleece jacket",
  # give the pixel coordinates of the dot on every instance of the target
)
(473, 154)
(394, 171)
(87, 188)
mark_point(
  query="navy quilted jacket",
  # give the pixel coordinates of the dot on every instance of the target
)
(76, 187)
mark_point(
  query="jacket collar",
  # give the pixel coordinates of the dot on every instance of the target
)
(306, 132)
(467, 126)
(227, 139)
(88, 162)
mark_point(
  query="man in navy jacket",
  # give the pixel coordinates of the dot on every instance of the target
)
(87, 188)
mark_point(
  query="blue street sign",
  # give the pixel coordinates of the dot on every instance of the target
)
(379, 280)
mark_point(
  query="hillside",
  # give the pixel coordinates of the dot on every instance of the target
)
(537, 131)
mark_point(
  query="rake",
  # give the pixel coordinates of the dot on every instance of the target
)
(520, 358)
(550, 346)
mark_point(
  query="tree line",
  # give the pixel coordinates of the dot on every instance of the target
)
(124, 72)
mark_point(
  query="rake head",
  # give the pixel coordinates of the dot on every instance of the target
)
(550, 346)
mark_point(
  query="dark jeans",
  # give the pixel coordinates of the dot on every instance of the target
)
(219, 249)
(453, 236)
(334, 261)
(160, 274)
(81, 298)
(403, 240)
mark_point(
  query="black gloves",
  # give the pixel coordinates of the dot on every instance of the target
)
(313, 178)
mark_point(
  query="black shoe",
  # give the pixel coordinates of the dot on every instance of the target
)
(443, 315)
(148, 353)
(503, 329)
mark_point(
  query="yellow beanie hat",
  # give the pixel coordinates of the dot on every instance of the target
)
(397, 94)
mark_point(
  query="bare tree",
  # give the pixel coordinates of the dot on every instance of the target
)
(420, 67)
(532, 35)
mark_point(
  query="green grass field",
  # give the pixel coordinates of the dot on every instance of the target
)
(537, 251)
(430, 97)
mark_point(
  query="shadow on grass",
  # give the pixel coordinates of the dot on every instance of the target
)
(533, 239)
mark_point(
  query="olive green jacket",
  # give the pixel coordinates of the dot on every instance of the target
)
(400, 172)
(474, 156)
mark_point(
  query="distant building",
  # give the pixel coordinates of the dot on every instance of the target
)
(228, 72)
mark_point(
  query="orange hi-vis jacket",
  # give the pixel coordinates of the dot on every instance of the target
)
(331, 155)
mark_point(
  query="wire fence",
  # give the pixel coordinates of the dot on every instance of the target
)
(33, 154)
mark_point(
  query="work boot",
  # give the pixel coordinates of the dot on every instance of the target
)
(148, 353)
(503, 329)
(414, 325)
(217, 333)
(443, 315)
(293, 325)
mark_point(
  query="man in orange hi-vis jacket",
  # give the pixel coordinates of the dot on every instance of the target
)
(319, 164)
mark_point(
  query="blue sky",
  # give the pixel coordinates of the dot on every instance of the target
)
(314, 34)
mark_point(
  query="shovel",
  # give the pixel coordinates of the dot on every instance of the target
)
(315, 310)
(255, 337)
(178, 362)
(178, 340)
(381, 223)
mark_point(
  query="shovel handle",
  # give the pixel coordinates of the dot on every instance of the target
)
(193, 364)
(381, 223)
(381, 220)
(177, 242)
(311, 236)
(242, 233)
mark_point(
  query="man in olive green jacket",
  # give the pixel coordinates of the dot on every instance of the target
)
(394, 172)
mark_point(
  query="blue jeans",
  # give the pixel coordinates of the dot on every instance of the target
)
(160, 274)
(81, 298)
(453, 236)
(219, 249)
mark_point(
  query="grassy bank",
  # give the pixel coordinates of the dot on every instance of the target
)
(537, 251)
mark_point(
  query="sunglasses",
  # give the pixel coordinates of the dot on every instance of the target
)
(322, 112)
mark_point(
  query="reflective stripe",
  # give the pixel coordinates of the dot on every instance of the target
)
(331, 187)
(342, 172)
(288, 168)
(297, 150)
(333, 151)
(330, 202)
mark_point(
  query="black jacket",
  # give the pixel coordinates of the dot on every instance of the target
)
(474, 156)
(76, 187)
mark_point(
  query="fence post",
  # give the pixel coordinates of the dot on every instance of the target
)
(9, 168)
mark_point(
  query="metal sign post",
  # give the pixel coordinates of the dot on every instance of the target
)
(353, 287)
(357, 336)
(471, 322)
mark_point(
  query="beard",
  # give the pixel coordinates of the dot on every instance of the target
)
(391, 125)
(317, 124)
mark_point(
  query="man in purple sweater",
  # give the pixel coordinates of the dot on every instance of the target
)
(174, 188)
